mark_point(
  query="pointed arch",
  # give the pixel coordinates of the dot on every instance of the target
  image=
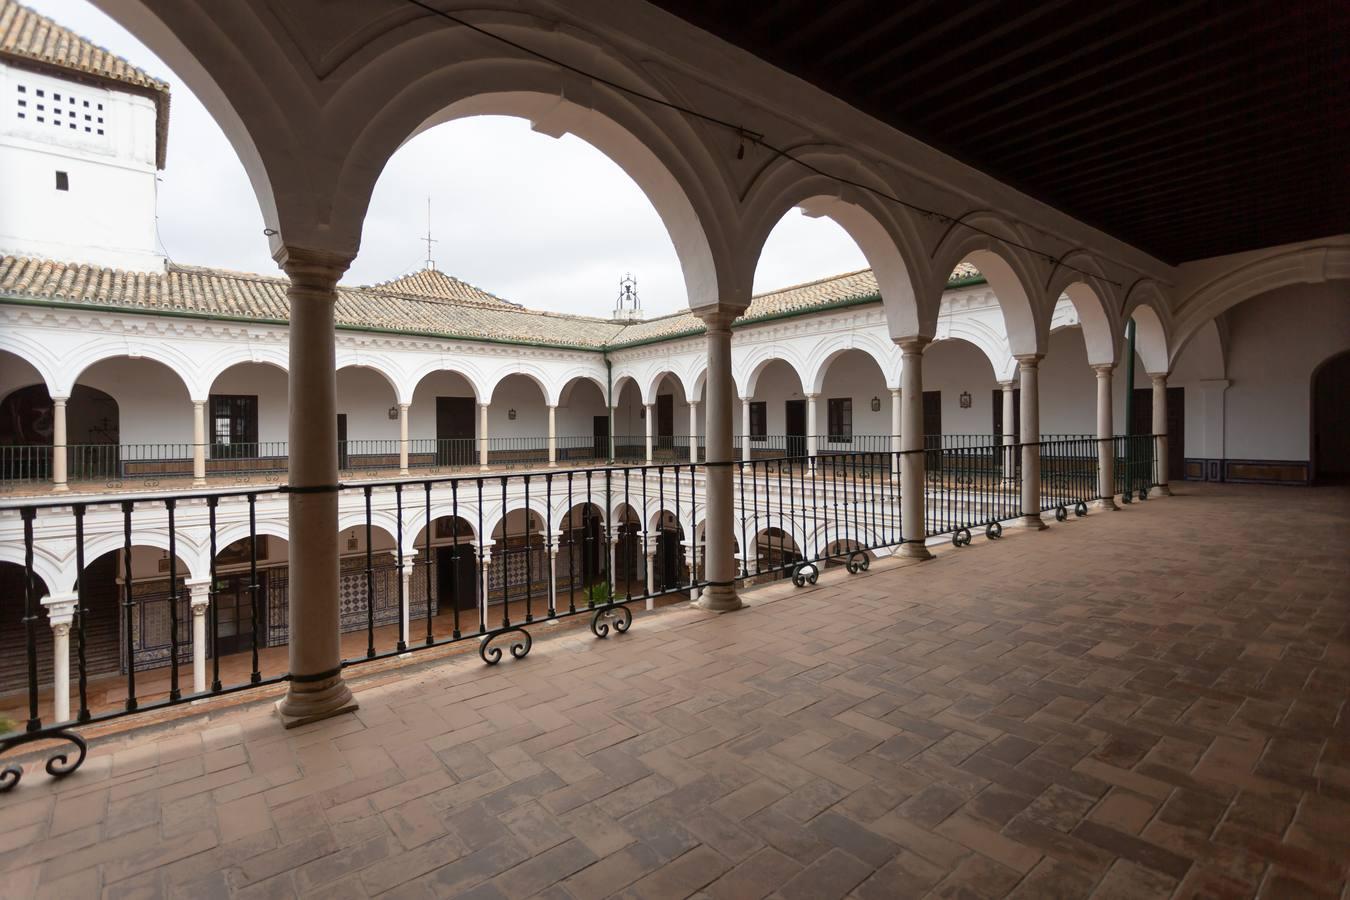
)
(1011, 273)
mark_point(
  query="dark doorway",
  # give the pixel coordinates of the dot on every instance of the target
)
(235, 622)
(456, 577)
(665, 417)
(932, 412)
(668, 560)
(1331, 421)
(1142, 423)
(794, 426)
(600, 437)
(234, 426)
(455, 431)
(343, 459)
(1013, 427)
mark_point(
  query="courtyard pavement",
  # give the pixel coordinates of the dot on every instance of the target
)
(1145, 703)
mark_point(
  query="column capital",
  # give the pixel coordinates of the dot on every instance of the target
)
(694, 403)
(718, 319)
(896, 392)
(912, 346)
(199, 597)
(310, 268)
(813, 395)
(551, 405)
(1158, 377)
(1007, 385)
(61, 609)
(1104, 370)
(1028, 360)
(403, 407)
(60, 401)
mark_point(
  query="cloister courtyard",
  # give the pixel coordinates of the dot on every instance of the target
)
(1142, 703)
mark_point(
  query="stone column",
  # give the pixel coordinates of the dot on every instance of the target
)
(316, 689)
(1027, 370)
(199, 600)
(1008, 396)
(403, 439)
(482, 436)
(613, 432)
(553, 572)
(720, 528)
(745, 426)
(812, 432)
(61, 610)
(896, 416)
(613, 571)
(553, 435)
(651, 575)
(912, 521)
(1159, 380)
(1106, 451)
(650, 414)
(693, 431)
(198, 444)
(484, 571)
(59, 444)
(405, 613)
(691, 560)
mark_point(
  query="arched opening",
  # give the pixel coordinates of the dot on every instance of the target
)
(630, 421)
(444, 592)
(14, 641)
(367, 421)
(247, 419)
(443, 421)
(629, 552)
(670, 429)
(240, 615)
(150, 435)
(962, 395)
(1331, 421)
(854, 405)
(583, 557)
(518, 421)
(26, 429)
(776, 553)
(109, 645)
(518, 573)
(582, 421)
(1068, 386)
(669, 568)
(778, 416)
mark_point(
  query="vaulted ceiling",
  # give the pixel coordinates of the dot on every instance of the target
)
(1188, 129)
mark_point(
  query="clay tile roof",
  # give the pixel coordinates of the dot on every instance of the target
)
(433, 284)
(423, 303)
(27, 37)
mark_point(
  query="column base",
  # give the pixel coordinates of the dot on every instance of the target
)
(720, 598)
(199, 482)
(915, 550)
(1163, 490)
(300, 707)
(1033, 523)
(1107, 503)
(403, 472)
(60, 487)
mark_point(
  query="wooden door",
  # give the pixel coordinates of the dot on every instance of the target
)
(455, 431)
(794, 426)
(665, 416)
(932, 412)
(342, 440)
(600, 437)
(456, 577)
(1013, 427)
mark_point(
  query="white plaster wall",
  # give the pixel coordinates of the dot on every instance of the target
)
(365, 397)
(1275, 342)
(856, 375)
(521, 393)
(16, 373)
(628, 421)
(268, 384)
(107, 217)
(1068, 386)
(422, 411)
(576, 417)
(152, 402)
(953, 366)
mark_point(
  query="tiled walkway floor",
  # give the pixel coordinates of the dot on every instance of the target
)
(1143, 703)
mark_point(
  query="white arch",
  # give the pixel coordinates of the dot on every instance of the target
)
(654, 384)
(462, 366)
(385, 368)
(35, 353)
(1148, 306)
(51, 567)
(548, 391)
(1010, 272)
(100, 349)
(749, 366)
(574, 376)
(1322, 261)
(988, 340)
(883, 353)
(228, 358)
(156, 537)
(888, 237)
(1093, 300)
(228, 534)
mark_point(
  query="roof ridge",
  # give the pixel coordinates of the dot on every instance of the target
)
(14, 20)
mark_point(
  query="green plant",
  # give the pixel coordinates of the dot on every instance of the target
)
(6, 725)
(598, 593)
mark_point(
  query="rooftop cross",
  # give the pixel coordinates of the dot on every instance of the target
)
(431, 263)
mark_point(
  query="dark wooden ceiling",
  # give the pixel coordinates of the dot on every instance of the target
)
(1188, 129)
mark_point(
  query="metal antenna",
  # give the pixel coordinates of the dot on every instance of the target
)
(431, 263)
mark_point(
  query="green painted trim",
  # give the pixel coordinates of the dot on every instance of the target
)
(858, 300)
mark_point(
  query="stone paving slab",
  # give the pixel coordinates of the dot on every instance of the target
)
(1147, 703)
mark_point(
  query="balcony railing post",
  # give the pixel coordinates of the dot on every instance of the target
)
(60, 616)
(315, 689)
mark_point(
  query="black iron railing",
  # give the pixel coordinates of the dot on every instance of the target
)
(971, 486)
(1068, 474)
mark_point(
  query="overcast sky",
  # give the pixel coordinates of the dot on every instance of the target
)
(552, 224)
